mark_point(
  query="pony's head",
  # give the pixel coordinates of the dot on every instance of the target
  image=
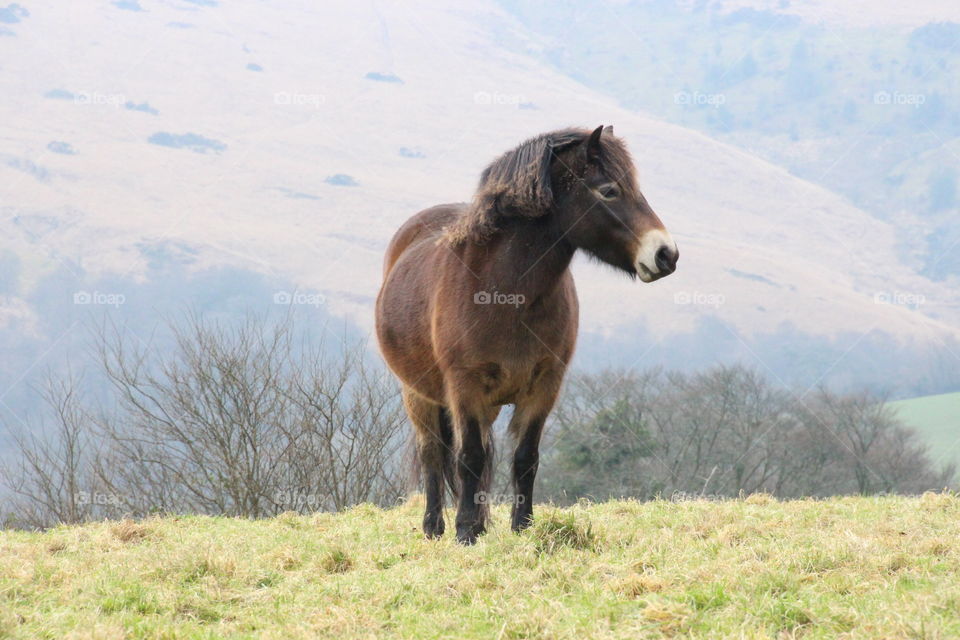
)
(586, 184)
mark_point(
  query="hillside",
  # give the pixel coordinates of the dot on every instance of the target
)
(937, 419)
(861, 102)
(873, 13)
(286, 141)
(856, 567)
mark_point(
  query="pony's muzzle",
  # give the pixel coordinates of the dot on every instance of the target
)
(657, 257)
(666, 259)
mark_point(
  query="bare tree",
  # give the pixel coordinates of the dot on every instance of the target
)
(238, 419)
(349, 431)
(883, 454)
(51, 478)
(246, 419)
(202, 428)
(726, 431)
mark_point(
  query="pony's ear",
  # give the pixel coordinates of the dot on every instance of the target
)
(593, 144)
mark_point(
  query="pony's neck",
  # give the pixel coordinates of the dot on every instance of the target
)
(531, 257)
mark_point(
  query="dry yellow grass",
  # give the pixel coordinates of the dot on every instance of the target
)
(754, 568)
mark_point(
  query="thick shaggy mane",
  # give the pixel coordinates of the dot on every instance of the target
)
(518, 183)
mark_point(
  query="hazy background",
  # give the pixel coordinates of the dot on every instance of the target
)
(249, 155)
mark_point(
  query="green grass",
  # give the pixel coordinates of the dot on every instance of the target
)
(756, 568)
(937, 419)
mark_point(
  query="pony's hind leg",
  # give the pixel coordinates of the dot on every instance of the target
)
(434, 452)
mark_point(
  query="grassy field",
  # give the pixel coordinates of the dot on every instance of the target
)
(756, 568)
(937, 418)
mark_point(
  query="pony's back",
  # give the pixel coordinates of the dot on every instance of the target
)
(424, 226)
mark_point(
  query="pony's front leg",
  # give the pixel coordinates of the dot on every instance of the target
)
(526, 461)
(526, 427)
(474, 460)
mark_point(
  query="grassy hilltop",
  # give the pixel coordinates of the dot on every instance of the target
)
(851, 567)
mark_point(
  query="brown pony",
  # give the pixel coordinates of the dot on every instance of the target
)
(478, 307)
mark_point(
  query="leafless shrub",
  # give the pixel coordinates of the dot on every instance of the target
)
(726, 432)
(51, 479)
(246, 420)
(235, 419)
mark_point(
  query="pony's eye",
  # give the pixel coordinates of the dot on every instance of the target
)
(609, 192)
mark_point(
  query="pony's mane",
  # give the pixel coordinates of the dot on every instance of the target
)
(517, 184)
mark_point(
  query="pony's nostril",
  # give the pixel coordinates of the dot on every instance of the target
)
(666, 259)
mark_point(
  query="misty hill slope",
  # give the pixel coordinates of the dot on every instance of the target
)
(874, 13)
(855, 101)
(756, 568)
(291, 139)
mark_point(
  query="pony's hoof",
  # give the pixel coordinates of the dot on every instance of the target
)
(520, 521)
(468, 535)
(467, 539)
(433, 529)
(519, 527)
